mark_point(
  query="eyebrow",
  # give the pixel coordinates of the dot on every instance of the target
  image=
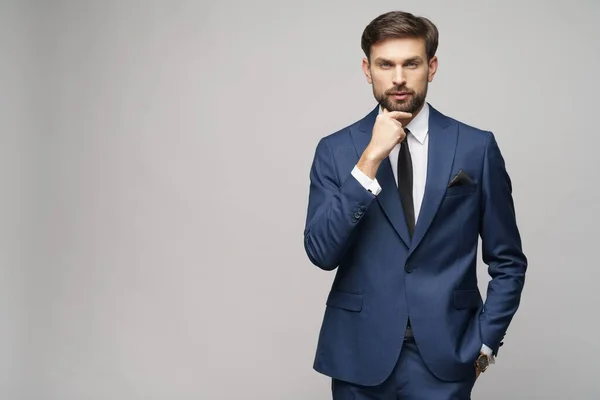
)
(416, 59)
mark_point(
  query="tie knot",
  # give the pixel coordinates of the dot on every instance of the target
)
(405, 140)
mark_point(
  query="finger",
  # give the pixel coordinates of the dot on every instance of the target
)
(399, 115)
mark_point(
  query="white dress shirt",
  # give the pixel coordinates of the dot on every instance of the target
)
(418, 143)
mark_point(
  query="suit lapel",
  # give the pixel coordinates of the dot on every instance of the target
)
(443, 135)
(389, 198)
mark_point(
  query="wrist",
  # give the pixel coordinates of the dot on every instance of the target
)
(369, 164)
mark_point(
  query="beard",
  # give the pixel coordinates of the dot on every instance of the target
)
(412, 104)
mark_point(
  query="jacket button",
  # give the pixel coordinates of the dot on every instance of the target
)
(407, 269)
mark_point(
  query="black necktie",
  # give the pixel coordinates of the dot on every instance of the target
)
(405, 183)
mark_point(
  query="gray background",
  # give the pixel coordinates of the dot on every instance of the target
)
(155, 160)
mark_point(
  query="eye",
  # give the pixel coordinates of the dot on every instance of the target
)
(385, 64)
(412, 65)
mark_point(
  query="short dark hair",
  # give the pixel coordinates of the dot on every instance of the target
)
(398, 25)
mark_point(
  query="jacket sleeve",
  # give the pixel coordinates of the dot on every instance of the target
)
(501, 248)
(337, 202)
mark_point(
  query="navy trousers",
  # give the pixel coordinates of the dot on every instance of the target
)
(410, 380)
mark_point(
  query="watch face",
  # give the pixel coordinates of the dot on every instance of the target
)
(482, 362)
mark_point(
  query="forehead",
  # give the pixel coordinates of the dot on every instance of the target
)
(399, 49)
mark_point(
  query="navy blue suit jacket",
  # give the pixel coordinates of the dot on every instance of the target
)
(383, 277)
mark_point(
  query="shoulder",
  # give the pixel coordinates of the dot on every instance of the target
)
(466, 130)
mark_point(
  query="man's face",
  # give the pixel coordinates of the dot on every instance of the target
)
(399, 73)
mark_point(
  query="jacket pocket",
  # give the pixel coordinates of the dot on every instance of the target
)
(469, 298)
(345, 300)
(461, 189)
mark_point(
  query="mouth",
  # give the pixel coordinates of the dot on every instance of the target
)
(400, 95)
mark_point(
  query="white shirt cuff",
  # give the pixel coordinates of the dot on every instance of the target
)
(369, 184)
(486, 350)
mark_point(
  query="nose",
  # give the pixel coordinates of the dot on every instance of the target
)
(398, 79)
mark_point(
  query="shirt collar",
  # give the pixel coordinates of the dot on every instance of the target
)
(419, 126)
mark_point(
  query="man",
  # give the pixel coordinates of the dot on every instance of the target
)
(397, 202)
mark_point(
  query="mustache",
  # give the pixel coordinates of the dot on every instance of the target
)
(399, 89)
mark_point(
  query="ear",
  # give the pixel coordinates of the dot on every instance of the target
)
(366, 69)
(433, 66)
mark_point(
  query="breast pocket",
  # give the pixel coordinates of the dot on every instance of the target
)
(461, 189)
